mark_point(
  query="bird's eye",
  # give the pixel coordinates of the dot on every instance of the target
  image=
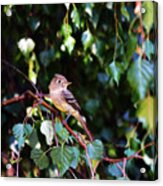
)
(59, 81)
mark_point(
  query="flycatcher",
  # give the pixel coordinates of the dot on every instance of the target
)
(64, 100)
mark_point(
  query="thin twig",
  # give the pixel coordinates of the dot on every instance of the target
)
(20, 72)
(90, 164)
(111, 160)
(17, 165)
(55, 112)
(72, 173)
(72, 132)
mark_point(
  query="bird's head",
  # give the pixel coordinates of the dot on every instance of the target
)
(58, 81)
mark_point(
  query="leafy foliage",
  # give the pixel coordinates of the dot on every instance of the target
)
(40, 158)
(47, 129)
(95, 150)
(108, 52)
(62, 157)
(20, 132)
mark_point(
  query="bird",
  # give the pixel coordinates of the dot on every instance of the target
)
(64, 100)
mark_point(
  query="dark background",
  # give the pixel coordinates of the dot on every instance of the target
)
(108, 52)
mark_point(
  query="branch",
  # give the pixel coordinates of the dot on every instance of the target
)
(30, 94)
(55, 112)
(136, 155)
(20, 72)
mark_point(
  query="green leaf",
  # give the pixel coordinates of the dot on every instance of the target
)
(129, 152)
(124, 12)
(8, 10)
(89, 8)
(146, 112)
(135, 143)
(18, 130)
(46, 56)
(92, 106)
(66, 30)
(61, 131)
(76, 157)
(87, 58)
(131, 46)
(102, 78)
(139, 76)
(33, 69)
(87, 39)
(75, 16)
(69, 42)
(33, 140)
(34, 23)
(21, 132)
(47, 129)
(40, 159)
(27, 129)
(149, 48)
(148, 16)
(62, 157)
(99, 49)
(114, 170)
(115, 70)
(148, 160)
(112, 151)
(95, 150)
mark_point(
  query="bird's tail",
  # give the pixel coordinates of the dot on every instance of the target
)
(82, 120)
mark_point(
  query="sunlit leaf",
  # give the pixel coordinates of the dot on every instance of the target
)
(147, 112)
(47, 129)
(75, 16)
(66, 30)
(124, 12)
(26, 45)
(148, 16)
(87, 59)
(69, 42)
(115, 70)
(112, 152)
(87, 39)
(8, 10)
(89, 9)
(33, 68)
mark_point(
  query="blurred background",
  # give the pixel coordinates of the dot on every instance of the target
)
(109, 53)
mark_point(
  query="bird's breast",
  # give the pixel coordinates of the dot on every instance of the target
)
(59, 102)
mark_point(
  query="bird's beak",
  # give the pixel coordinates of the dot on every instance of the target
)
(68, 83)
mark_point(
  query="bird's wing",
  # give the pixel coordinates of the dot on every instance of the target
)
(70, 99)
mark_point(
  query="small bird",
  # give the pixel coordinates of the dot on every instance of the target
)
(64, 100)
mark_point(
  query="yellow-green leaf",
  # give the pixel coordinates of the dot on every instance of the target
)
(147, 112)
(148, 16)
